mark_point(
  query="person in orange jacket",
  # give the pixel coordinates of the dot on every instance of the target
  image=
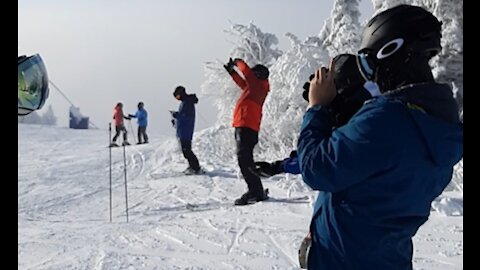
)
(118, 117)
(247, 117)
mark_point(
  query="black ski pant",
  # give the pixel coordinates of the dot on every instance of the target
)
(246, 140)
(189, 155)
(118, 129)
(142, 134)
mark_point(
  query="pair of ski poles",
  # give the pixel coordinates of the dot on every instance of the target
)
(124, 172)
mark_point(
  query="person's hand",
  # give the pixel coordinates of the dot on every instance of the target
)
(229, 66)
(322, 87)
(306, 87)
(173, 122)
(265, 169)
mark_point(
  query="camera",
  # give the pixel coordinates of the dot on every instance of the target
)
(350, 91)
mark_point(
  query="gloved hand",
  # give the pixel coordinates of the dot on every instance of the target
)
(128, 118)
(291, 165)
(173, 114)
(131, 115)
(306, 87)
(229, 66)
(265, 169)
(173, 122)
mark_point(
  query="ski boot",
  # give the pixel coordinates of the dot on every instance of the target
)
(250, 198)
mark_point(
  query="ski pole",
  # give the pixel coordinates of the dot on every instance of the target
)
(131, 129)
(125, 173)
(110, 160)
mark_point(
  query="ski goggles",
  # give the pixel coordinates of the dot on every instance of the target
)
(366, 66)
(32, 84)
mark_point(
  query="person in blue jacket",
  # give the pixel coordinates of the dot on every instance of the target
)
(185, 124)
(378, 174)
(142, 122)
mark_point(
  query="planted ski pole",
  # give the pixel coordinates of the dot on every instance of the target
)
(125, 173)
(110, 167)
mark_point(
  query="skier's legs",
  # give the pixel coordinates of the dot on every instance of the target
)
(142, 133)
(189, 155)
(246, 139)
(117, 133)
(145, 136)
(124, 132)
(139, 134)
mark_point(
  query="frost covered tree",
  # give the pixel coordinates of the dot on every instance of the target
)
(381, 5)
(31, 118)
(49, 118)
(284, 106)
(341, 33)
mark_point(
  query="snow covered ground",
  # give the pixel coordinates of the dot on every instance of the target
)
(64, 217)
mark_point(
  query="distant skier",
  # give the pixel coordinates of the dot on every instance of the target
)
(142, 122)
(118, 117)
(185, 124)
(247, 117)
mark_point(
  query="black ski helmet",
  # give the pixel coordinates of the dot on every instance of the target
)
(395, 35)
(261, 72)
(140, 104)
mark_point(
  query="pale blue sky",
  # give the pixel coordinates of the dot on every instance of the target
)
(100, 52)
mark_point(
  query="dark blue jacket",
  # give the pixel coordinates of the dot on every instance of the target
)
(142, 117)
(378, 175)
(185, 117)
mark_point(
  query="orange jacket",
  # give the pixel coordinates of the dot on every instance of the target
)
(118, 116)
(248, 110)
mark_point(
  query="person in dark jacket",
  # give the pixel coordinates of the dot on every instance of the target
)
(118, 117)
(247, 117)
(142, 122)
(378, 174)
(185, 124)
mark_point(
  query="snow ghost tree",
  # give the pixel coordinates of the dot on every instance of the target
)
(342, 32)
(49, 118)
(284, 106)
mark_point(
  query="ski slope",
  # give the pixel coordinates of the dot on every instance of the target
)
(64, 216)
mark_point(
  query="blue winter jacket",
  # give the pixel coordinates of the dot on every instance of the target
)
(185, 117)
(142, 117)
(378, 175)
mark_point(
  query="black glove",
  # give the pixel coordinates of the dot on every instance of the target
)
(306, 87)
(173, 122)
(229, 66)
(265, 169)
(293, 154)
